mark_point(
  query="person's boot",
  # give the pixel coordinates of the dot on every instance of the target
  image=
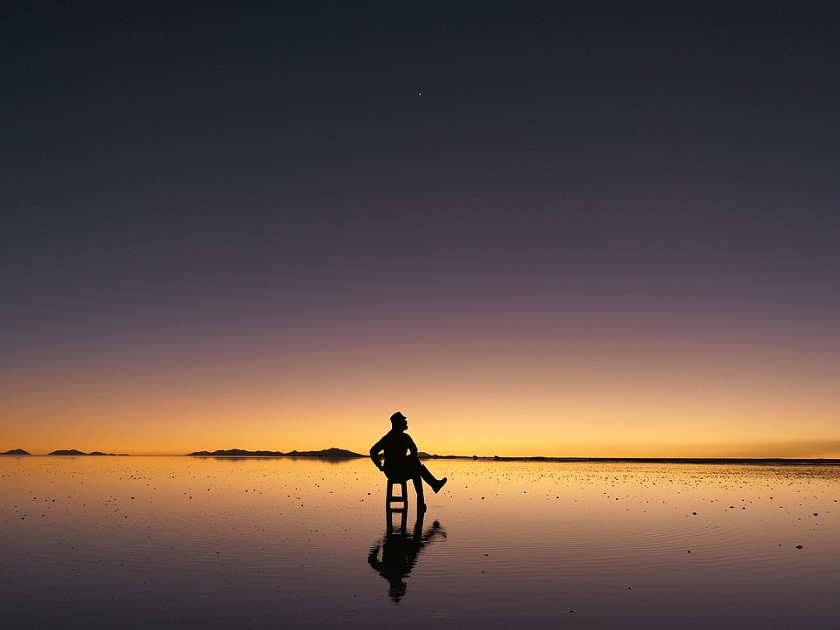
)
(439, 483)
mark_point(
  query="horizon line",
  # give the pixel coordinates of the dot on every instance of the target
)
(266, 454)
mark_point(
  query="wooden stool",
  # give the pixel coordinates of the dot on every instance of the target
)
(396, 503)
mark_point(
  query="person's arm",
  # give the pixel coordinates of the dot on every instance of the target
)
(412, 447)
(374, 454)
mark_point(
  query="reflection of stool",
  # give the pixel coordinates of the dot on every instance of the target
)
(396, 503)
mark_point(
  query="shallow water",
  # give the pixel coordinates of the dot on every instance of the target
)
(101, 542)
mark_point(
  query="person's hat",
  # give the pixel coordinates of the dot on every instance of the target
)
(397, 417)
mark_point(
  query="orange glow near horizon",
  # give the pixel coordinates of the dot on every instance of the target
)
(537, 229)
(519, 400)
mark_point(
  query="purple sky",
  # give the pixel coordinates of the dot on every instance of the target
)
(280, 175)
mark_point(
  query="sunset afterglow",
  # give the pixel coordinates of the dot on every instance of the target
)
(536, 230)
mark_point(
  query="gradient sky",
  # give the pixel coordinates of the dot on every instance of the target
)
(567, 229)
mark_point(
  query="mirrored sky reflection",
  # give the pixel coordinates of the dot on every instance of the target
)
(151, 542)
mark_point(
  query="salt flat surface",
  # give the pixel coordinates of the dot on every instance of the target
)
(103, 542)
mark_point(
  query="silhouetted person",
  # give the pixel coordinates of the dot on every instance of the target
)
(401, 462)
(399, 555)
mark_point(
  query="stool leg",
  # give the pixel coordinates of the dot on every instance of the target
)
(401, 502)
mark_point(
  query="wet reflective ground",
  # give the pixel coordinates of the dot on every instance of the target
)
(94, 542)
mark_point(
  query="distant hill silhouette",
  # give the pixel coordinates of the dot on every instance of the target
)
(73, 451)
(236, 452)
(16, 451)
(331, 453)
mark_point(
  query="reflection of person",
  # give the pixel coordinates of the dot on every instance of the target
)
(399, 555)
(401, 462)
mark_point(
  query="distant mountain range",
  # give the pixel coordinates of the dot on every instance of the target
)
(73, 451)
(64, 451)
(332, 453)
